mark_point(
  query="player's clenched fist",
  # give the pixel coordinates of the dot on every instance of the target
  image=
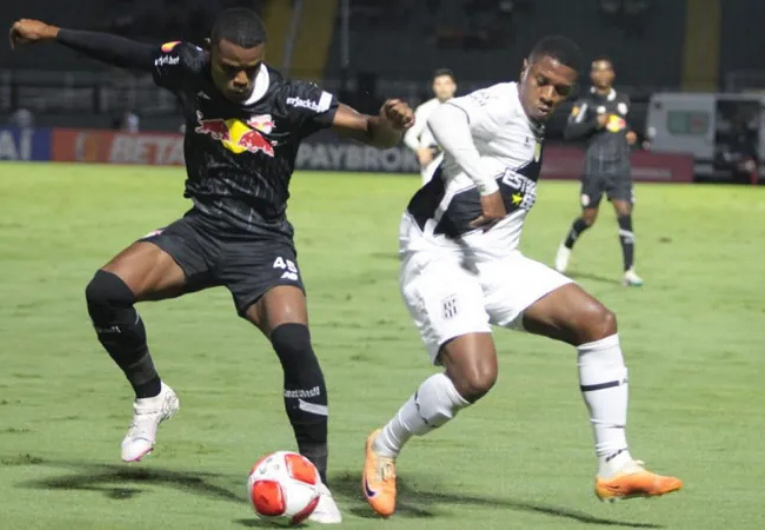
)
(398, 114)
(492, 211)
(28, 31)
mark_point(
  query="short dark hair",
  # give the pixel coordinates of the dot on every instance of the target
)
(239, 26)
(558, 47)
(444, 71)
(604, 59)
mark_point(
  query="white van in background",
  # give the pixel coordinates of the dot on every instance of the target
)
(724, 132)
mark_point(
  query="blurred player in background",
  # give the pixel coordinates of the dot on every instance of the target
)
(600, 118)
(244, 123)
(462, 271)
(419, 138)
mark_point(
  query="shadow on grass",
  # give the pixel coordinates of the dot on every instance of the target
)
(119, 482)
(416, 502)
(594, 277)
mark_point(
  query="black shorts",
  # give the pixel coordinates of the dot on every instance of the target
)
(617, 186)
(249, 265)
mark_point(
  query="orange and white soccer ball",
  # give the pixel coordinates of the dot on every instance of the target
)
(284, 487)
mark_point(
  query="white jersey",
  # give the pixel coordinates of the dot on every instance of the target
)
(419, 135)
(510, 147)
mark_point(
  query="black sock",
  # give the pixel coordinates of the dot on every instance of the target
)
(577, 228)
(121, 331)
(305, 392)
(627, 239)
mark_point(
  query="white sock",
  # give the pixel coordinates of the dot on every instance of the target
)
(603, 382)
(435, 403)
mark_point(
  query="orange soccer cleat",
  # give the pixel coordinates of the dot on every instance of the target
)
(378, 481)
(635, 481)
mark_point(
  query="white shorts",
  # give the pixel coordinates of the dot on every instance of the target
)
(447, 300)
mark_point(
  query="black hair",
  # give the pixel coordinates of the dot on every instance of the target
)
(603, 58)
(239, 26)
(561, 48)
(444, 71)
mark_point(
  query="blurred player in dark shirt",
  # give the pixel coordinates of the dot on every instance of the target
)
(600, 118)
(244, 124)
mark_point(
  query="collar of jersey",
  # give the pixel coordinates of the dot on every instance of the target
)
(610, 97)
(260, 87)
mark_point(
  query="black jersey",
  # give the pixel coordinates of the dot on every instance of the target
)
(607, 147)
(240, 156)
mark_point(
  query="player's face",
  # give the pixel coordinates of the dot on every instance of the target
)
(234, 69)
(602, 74)
(545, 84)
(444, 87)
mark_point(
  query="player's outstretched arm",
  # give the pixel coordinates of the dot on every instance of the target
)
(110, 49)
(383, 130)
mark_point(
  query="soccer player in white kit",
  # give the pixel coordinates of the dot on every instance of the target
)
(462, 272)
(419, 138)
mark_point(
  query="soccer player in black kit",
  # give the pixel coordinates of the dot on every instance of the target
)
(600, 118)
(244, 123)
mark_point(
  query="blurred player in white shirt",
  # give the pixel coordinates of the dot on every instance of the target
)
(462, 272)
(419, 138)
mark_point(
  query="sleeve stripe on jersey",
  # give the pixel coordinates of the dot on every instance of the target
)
(582, 111)
(325, 102)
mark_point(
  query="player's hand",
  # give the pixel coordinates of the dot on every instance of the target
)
(631, 138)
(493, 211)
(425, 156)
(27, 31)
(397, 114)
(603, 120)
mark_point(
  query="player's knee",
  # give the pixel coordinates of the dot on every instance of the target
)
(599, 323)
(475, 381)
(589, 219)
(106, 294)
(623, 209)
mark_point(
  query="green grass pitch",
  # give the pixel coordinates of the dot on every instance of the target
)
(694, 338)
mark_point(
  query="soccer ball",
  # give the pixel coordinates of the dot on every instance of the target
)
(284, 487)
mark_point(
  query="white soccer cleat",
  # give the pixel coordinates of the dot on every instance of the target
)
(326, 511)
(631, 279)
(148, 413)
(561, 258)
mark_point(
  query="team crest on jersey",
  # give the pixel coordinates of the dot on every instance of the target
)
(168, 46)
(575, 111)
(237, 136)
(622, 108)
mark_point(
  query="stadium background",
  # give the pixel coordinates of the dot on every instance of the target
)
(367, 50)
(693, 336)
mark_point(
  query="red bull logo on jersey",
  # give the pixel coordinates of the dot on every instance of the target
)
(616, 123)
(237, 136)
(168, 46)
(263, 123)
